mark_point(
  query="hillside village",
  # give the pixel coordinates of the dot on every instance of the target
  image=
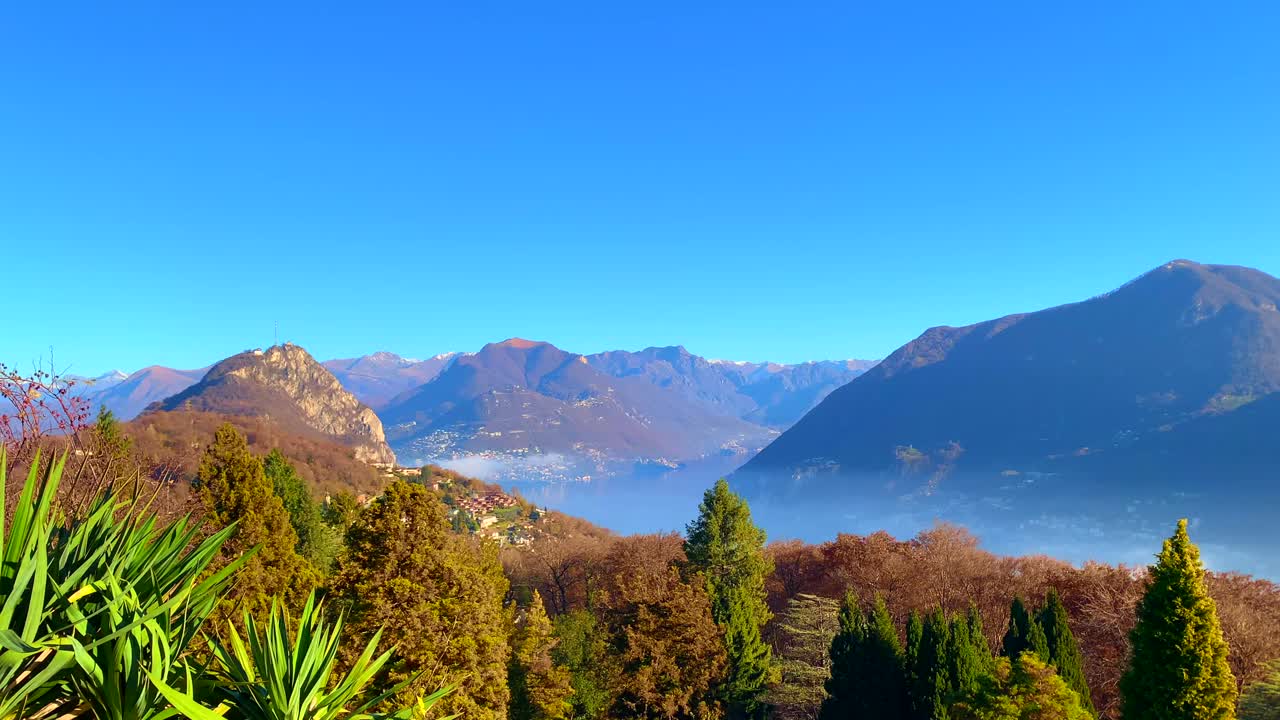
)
(475, 507)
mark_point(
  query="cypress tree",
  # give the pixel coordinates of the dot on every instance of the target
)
(965, 660)
(868, 679)
(915, 638)
(931, 687)
(727, 548)
(1023, 634)
(1178, 664)
(1064, 653)
(978, 634)
(843, 685)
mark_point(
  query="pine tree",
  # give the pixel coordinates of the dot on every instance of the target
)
(1178, 664)
(582, 648)
(931, 687)
(539, 688)
(439, 598)
(727, 548)
(1023, 634)
(1064, 653)
(233, 488)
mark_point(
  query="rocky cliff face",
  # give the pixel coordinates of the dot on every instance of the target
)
(286, 385)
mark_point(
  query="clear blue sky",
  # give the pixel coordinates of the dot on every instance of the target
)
(783, 181)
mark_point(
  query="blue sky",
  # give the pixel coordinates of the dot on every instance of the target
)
(778, 181)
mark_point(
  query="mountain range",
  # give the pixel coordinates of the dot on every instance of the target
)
(1154, 399)
(516, 409)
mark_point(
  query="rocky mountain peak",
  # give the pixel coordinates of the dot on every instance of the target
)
(287, 385)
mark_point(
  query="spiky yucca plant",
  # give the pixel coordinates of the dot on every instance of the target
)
(31, 658)
(271, 674)
(90, 607)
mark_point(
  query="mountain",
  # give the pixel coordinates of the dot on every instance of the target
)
(1160, 393)
(768, 394)
(376, 379)
(287, 386)
(127, 396)
(524, 410)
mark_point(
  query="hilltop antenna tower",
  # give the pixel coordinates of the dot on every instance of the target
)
(277, 335)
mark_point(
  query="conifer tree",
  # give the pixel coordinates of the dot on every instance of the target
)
(868, 675)
(727, 548)
(1024, 634)
(931, 686)
(1178, 663)
(233, 488)
(915, 638)
(1022, 689)
(843, 685)
(317, 542)
(966, 660)
(1064, 653)
(979, 635)
(437, 596)
(539, 688)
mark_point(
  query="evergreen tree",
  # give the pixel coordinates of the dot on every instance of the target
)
(915, 638)
(539, 688)
(966, 660)
(844, 685)
(1178, 663)
(979, 634)
(931, 681)
(317, 542)
(868, 680)
(582, 648)
(1023, 634)
(1022, 689)
(1064, 653)
(727, 548)
(439, 598)
(803, 650)
(233, 488)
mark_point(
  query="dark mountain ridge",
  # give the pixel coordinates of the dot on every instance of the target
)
(1183, 340)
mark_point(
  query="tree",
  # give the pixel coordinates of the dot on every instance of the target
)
(1024, 634)
(317, 542)
(1022, 689)
(539, 688)
(804, 634)
(670, 655)
(868, 680)
(930, 679)
(438, 596)
(340, 511)
(727, 549)
(1178, 667)
(966, 659)
(1261, 700)
(233, 488)
(582, 648)
(1064, 653)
